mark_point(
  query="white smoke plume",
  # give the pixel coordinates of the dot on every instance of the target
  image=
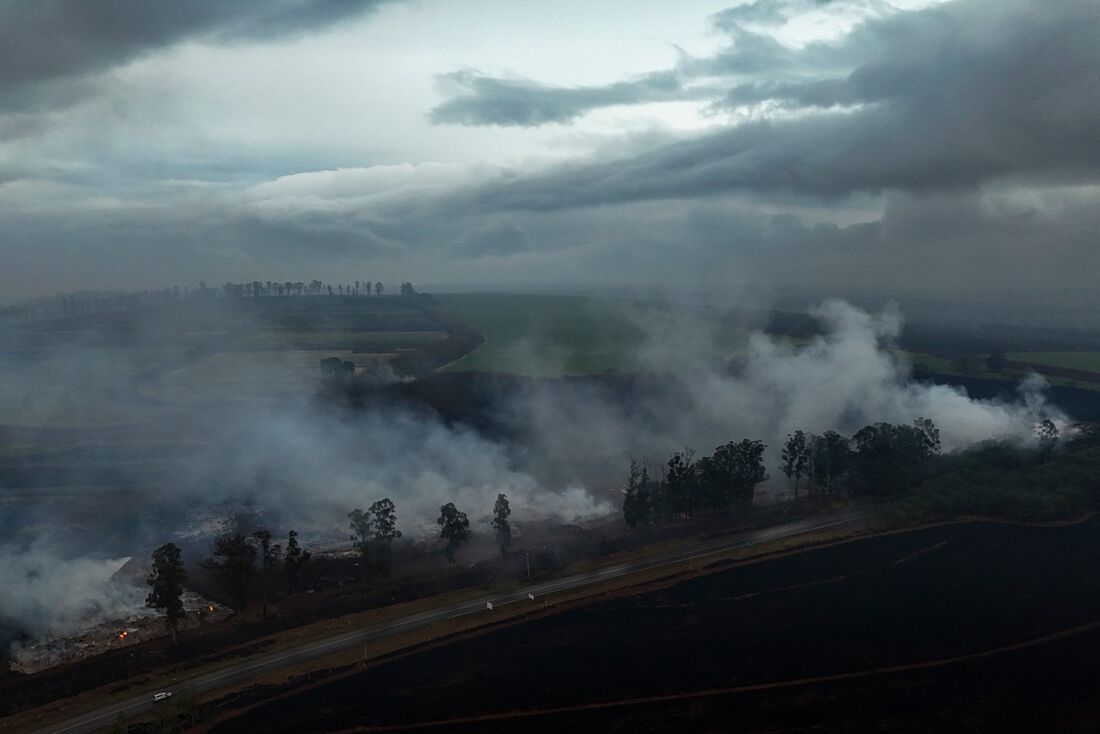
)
(305, 465)
(51, 593)
(842, 380)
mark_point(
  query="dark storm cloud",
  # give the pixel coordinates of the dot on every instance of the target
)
(950, 97)
(47, 44)
(476, 99)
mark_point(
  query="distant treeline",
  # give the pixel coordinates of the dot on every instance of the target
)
(92, 302)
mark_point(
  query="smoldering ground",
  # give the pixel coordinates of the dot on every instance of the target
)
(179, 469)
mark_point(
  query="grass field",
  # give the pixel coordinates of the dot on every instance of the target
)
(552, 336)
(1087, 361)
(121, 367)
(977, 368)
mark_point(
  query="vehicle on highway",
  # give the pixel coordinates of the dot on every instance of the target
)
(162, 696)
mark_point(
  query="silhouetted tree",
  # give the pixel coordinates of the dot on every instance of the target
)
(638, 497)
(680, 489)
(270, 553)
(739, 466)
(830, 458)
(454, 528)
(384, 532)
(378, 288)
(296, 559)
(889, 458)
(501, 510)
(166, 581)
(795, 458)
(234, 561)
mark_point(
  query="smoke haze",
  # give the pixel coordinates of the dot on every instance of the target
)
(299, 462)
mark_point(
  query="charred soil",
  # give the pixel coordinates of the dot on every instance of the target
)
(952, 624)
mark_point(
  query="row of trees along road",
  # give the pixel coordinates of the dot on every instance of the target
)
(881, 459)
(248, 566)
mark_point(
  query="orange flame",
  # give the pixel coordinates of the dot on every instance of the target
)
(123, 635)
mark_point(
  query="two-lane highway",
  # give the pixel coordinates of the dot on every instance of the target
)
(265, 663)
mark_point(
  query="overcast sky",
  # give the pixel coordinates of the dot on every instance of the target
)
(922, 149)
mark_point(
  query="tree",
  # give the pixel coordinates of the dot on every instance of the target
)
(234, 561)
(384, 532)
(166, 581)
(890, 458)
(378, 288)
(830, 457)
(741, 467)
(680, 489)
(296, 559)
(638, 497)
(501, 510)
(454, 527)
(795, 458)
(270, 553)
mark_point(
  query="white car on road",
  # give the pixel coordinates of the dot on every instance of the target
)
(162, 696)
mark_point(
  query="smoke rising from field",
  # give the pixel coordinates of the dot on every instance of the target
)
(304, 464)
(45, 591)
(846, 378)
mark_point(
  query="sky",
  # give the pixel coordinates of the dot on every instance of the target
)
(924, 150)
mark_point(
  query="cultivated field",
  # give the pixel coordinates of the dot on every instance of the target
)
(1085, 361)
(554, 336)
(117, 368)
(823, 623)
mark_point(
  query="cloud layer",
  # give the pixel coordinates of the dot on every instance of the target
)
(942, 151)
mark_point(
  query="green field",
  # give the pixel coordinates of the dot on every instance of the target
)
(1087, 361)
(132, 365)
(977, 368)
(553, 336)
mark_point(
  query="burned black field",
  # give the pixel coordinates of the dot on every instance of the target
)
(905, 599)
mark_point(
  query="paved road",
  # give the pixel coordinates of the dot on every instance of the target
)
(260, 664)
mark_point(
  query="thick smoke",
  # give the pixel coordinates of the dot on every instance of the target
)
(46, 591)
(846, 378)
(303, 464)
(310, 466)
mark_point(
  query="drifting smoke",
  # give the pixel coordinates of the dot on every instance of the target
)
(304, 466)
(47, 592)
(307, 465)
(842, 380)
